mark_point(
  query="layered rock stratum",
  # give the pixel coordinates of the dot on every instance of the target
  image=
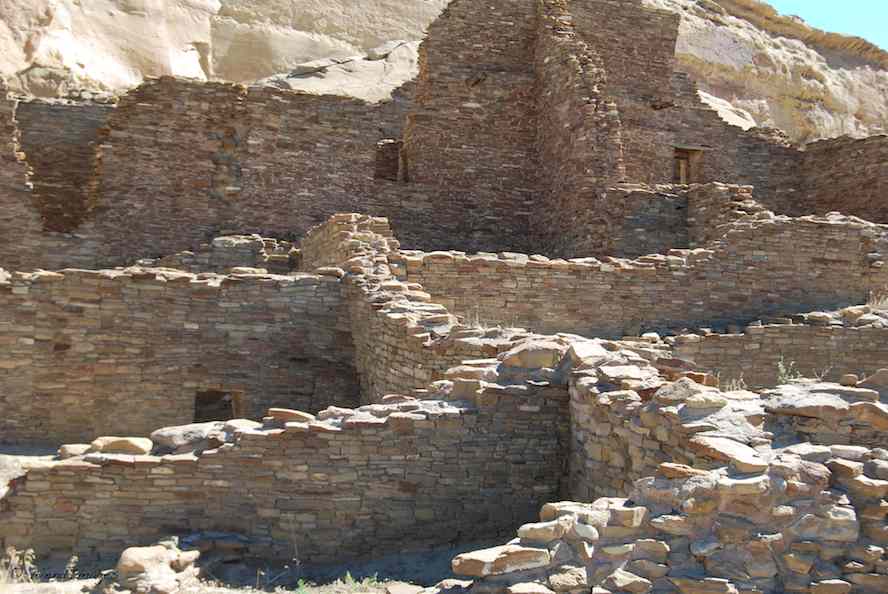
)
(754, 66)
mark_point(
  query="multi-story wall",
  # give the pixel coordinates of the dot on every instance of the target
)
(523, 118)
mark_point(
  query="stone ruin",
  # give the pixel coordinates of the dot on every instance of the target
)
(688, 393)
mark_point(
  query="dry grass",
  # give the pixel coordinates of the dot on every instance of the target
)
(878, 299)
(18, 567)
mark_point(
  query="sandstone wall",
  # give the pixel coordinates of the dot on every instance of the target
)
(403, 340)
(714, 207)
(59, 142)
(639, 68)
(392, 477)
(828, 414)
(843, 174)
(89, 353)
(763, 265)
(620, 436)
(471, 130)
(578, 137)
(811, 523)
(812, 351)
(234, 251)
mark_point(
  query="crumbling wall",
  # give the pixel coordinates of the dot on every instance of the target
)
(706, 502)
(754, 357)
(830, 415)
(89, 353)
(234, 251)
(578, 136)
(801, 523)
(621, 436)
(16, 212)
(763, 265)
(714, 208)
(59, 141)
(396, 476)
(470, 135)
(844, 175)
(403, 340)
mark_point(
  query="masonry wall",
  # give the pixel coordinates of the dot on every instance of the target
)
(618, 437)
(763, 265)
(578, 136)
(633, 221)
(90, 353)
(59, 141)
(408, 476)
(812, 351)
(471, 131)
(639, 68)
(843, 174)
(714, 208)
(403, 339)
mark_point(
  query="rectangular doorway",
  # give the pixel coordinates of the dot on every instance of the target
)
(688, 166)
(216, 405)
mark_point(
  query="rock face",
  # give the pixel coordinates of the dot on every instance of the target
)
(779, 71)
(51, 46)
(752, 69)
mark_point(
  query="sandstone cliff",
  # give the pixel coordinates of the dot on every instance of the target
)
(48, 47)
(784, 73)
(754, 66)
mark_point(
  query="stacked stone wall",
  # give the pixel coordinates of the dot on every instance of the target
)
(90, 353)
(235, 251)
(705, 500)
(386, 478)
(763, 265)
(713, 208)
(809, 523)
(578, 136)
(843, 175)
(403, 340)
(754, 357)
(471, 131)
(639, 68)
(59, 141)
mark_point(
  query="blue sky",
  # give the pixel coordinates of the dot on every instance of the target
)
(864, 18)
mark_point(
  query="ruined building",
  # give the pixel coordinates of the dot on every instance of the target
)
(638, 291)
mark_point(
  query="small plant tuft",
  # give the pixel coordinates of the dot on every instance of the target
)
(18, 567)
(786, 371)
(878, 299)
(735, 385)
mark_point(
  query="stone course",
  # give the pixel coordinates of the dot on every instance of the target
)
(753, 355)
(467, 463)
(87, 353)
(762, 265)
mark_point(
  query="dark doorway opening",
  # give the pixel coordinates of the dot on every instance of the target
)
(215, 405)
